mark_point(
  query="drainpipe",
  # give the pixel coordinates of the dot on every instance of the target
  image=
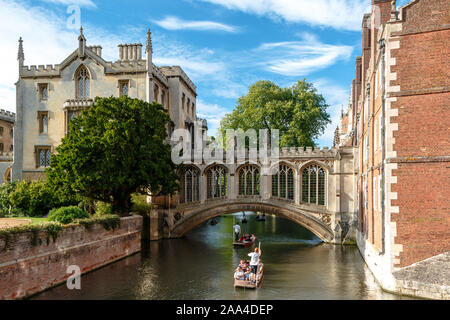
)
(383, 151)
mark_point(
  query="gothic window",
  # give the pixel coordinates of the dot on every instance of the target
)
(313, 185)
(216, 182)
(123, 87)
(83, 83)
(190, 191)
(283, 183)
(163, 98)
(71, 114)
(43, 122)
(249, 180)
(42, 157)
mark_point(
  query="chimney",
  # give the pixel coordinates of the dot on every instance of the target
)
(130, 52)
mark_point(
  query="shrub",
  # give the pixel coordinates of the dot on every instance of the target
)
(5, 204)
(36, 198)
(102, 208)
(67, 215)
(139, 204)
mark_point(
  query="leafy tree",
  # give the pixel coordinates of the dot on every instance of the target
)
(298, 112)
(113, 149)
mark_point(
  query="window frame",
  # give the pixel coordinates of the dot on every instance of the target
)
(48, 153)
(121, 84)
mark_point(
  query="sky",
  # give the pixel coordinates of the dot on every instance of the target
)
(223, 45)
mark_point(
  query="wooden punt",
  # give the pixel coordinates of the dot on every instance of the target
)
(243, 244)
(249, 284)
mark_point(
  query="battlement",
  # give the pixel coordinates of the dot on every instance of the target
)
(7, 115)
(307, 152)
(177, 71)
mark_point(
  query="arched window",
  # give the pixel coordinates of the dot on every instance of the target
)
(190, 185)
(82, 83)
(217, 182)
(313, 185)
(249, 181)
(283, 183)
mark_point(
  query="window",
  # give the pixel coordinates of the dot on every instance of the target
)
(43, 91)
(123, 87)
(1, 147)
(11, 133)
(313, 185)
(163, 98)
(249, 180)
(190, 185)
(193, 108)
(43, 122)
(374, 193)
(1, 131)
(183, 97)
(283, 183)
(155, 93)
(379, 193)
(42, 156)
(380, 125)
(188, 109)
(216, 180)
(11, 148)
(82, 83)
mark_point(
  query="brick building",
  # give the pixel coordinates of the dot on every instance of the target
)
(7, 120)
(398, 117)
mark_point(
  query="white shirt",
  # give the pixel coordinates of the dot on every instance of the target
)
(237, 228)
(254, 258)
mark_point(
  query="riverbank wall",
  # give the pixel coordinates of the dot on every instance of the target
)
(31, 263)
(427, 279)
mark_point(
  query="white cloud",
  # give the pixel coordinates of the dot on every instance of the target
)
(81, 3)
(174, 23)
(298, 58)
(211, 112)
(337, 97)
(338, 14)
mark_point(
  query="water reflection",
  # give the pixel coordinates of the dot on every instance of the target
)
(297, 266)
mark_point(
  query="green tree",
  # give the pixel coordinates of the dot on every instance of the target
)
(298, 112)
(113, 149)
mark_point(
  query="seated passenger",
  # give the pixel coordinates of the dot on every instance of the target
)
(253, 238)
(247, 274)
(239, 274)
(243, 264)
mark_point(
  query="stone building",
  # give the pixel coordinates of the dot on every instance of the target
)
(49, 96)
(7, 120)
(398, 117)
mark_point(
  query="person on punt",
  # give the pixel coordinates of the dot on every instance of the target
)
(237, 231)
(243, 264)
(260, 269)
(247, 274)
(239, 274)
(254, 260)
(252, 238)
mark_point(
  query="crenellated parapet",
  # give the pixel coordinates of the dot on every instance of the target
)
(7, 115)
(302, 152)
(176, 71)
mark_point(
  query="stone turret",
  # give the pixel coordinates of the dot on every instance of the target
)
(20, 54)
(81, 43)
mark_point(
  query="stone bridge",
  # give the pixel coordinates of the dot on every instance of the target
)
(313, 188)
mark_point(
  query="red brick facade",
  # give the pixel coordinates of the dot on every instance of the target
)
(403, 135)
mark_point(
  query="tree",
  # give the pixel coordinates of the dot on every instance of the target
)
(298, 112)
(113, 149)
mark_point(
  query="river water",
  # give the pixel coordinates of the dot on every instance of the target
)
(200, 266)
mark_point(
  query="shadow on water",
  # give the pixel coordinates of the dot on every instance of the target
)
(200, 266)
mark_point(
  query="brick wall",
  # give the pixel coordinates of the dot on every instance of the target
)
(26, 269)
(422, 141)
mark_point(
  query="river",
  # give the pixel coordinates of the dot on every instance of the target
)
(297, 265)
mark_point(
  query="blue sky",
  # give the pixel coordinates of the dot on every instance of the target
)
(223, 45)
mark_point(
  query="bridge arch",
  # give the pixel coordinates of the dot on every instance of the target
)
(309, 220)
